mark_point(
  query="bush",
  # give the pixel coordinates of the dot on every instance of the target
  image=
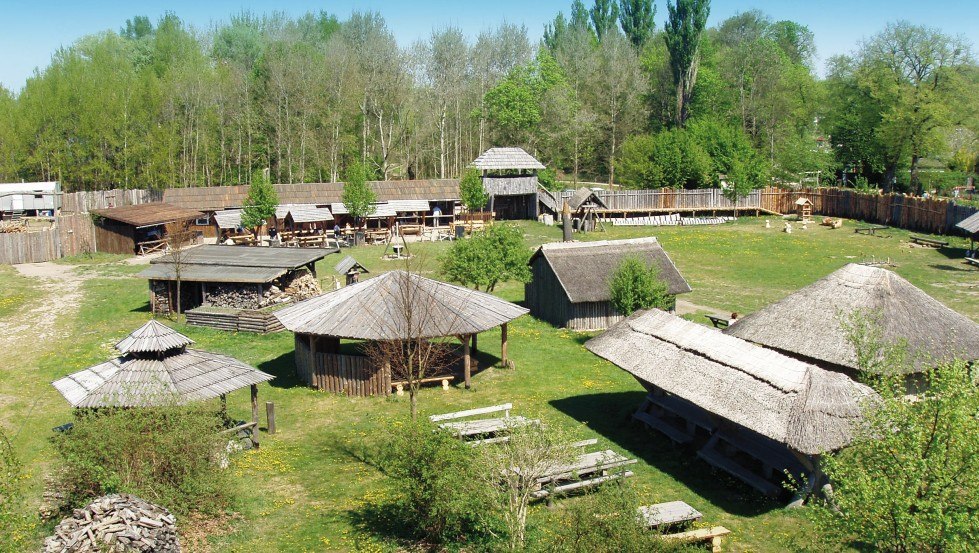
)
(670, 159)
(17, 528)
(635, 286)
(489, 257)
(471, 191)
(548, 179)
(436, 496)
(166, 455)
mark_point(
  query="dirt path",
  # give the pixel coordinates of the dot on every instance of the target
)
(684, 307)
(62, 295)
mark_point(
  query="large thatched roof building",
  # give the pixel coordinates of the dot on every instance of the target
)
(570, 286)
(157, 368)
(811, 323)
(394, 306)
(753, 398)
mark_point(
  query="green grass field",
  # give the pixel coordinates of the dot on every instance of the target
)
(309, 488)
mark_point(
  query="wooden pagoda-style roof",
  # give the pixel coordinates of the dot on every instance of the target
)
(811, 410)
(499, 159)
(157, 369)
(148, 215)
(584, 196)
(398, 305)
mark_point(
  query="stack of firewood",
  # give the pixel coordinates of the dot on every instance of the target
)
(302, 286)
(12, 226)
(118, 522)
(234, 296)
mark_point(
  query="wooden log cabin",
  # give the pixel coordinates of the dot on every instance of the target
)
(570, 284)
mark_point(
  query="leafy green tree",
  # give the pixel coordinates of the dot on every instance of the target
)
(357, 196)
(637, 18)
(636, 285)
(604, 14)
(684, 30)
(731, 154)
(260, 203)
(670, 159)
(513, 109)
(910, 479)
(489, 257)
(471, 191)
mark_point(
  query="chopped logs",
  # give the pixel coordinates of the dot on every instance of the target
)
(118, 522)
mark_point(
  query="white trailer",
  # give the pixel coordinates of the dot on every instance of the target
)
(31, 198)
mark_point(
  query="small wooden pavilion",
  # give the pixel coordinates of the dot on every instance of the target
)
(970, 225)
(510, 179)
(570, 285)
(803, 209)
(137, 229)
(394, 306)
(810, 324)
(584, 204)
(752, 412)
(157, 368)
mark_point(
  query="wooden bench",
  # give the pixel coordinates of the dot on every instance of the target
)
(972, 261)
(870, 230)
(485, 428)
(587, 470)
(930, 242)
(684, 409)
(719, 322)
(719, 460)
(675, 435)
(771, 456)
(668, 514)
(712, 535)
(443, 379)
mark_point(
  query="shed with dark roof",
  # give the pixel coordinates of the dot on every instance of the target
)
(123, 229)
(570, 286)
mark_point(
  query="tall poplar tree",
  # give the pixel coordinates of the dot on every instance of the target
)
(637, 18)
(684, 30)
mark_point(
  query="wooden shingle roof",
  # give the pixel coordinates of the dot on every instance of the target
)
(970, 224)
(153, 337)
(496, 159)
(151, 214)
(379, 308)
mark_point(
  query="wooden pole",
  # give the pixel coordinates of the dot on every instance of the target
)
(270, 416)
(503, 344)
(255, 414)
(466, 362)
(475, 337)
(224, 405)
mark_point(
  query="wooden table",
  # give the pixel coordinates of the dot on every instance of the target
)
(668, 514)
(480, 427)
(719, 322)
(585, 464)
(871, 230)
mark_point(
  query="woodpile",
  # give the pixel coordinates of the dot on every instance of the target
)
(301, 285)
(10, 227)
(118, 522)
(234, 296)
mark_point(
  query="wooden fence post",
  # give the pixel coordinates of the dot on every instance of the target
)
(270, 416)
(254, 389)
(466, 362)
(503, 344)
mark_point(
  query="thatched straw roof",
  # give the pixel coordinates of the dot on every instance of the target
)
(809, 409)
(506, 158)
(398, 305)
(154, 370)
(585, 268)
(809, 324)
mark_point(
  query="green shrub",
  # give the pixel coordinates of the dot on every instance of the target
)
(167, 455)
(436, 497)
(548, 179)
(635, 286)
(17, 527)
(471, 191)
(489, 257)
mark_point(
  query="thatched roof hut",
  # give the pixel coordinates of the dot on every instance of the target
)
(157, 368)
(808, 409)
(570, 286)
(810, 324)
(394, 306)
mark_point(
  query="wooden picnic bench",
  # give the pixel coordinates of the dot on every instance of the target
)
(770, 456)
(658, 407)
(671, 513)
(444, 379)
(972, 261)
(930, 242)
(870, 229)
(485, 430)
(712, 535)
(587, 470)
(719, 322)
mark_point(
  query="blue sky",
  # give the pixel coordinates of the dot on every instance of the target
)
(33, 30)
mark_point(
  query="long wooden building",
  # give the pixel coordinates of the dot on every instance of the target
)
(133, 229)
(570, 286)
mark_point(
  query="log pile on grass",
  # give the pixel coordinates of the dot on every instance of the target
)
(117, 522)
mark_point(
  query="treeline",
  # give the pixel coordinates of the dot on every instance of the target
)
(607, 95)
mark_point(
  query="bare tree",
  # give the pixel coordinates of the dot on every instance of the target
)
(418, 333)
(179, 238)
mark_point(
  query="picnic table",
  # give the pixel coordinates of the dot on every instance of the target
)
(719, 322)
(490, 429)
(586, 470)
(668, 514)
(931, 242)
(870, 229)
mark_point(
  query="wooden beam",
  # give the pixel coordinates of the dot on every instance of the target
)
(270, 416)
(466, 361)
(503, 344)
(254, 389)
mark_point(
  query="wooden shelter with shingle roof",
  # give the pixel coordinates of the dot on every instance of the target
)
(157, 368)
(570, 285)
(510, 179)
(123, 229)
(811, 324)
(708, 388)
(374, 310)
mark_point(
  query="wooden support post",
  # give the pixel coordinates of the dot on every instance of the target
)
(270, 416)
(255, 414)
(474, 343)
(503, 352)
(466, 362)
(224, 405)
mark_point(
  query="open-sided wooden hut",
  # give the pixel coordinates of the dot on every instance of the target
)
(157, 368)
(510, 179)
(811, 324)
(773, 412)
(395, 306)
(970, 226)
(134, 229)
(570, 285)
(222, 284)
(584, 203)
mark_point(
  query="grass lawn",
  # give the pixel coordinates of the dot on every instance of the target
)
(311, 486)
